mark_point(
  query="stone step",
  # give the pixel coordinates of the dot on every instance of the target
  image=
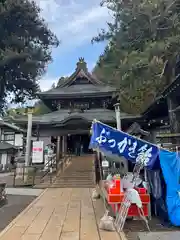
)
(43, 186)
(79, 174)
(76, 174)
(75, 181)
(74, 178)
(83, 186)
(76, 184)
(72, 184)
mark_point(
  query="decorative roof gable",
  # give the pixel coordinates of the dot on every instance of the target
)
(80, 83)
(81, 64)
(82, 73)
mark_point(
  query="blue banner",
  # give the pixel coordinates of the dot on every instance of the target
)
(108, 139)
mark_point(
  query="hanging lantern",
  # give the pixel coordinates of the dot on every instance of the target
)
(91, 129)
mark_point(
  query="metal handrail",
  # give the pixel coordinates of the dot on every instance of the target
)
(52, 161)
(61, 164)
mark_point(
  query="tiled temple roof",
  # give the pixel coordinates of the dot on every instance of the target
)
(66, 88)
(63, 116)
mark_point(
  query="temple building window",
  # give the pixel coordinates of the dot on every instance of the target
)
(9, 136)
(81, 105)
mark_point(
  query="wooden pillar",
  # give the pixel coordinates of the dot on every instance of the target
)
(174, 124)
(171, 101)
(152, 137)
(58, 148)
(173, 119)
(24, 143)
(37, 132)
(64, 144)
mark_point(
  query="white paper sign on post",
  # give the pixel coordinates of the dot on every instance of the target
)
(105, 163)
(38, 152)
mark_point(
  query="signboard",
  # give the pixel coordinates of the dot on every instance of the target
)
(112, 141)
(38, 152)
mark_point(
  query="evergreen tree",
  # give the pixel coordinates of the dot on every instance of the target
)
(25, 46)
(142, 38)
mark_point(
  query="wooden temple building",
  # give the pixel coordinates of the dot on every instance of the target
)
(81, 98)
(163, 116)
(76, 101)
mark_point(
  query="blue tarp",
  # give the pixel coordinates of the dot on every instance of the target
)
(113, 141)
(170, 164)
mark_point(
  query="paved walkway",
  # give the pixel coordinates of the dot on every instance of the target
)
(60, 214)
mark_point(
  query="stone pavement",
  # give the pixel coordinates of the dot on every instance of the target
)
(60, 214)
(159, 236)
(24, 191)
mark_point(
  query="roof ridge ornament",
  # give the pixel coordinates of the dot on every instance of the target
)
(81, 59)
(81, 65)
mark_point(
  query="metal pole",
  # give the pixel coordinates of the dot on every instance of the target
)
(28, 140)
(118, 115)
(118, 122)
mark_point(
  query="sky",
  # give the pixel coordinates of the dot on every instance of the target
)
(74, 22)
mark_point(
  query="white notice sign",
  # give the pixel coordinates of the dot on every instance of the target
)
(105, 163)
(37, 152)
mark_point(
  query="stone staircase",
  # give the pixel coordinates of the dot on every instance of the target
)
(79, 174)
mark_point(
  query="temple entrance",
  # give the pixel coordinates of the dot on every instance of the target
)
(78, 144)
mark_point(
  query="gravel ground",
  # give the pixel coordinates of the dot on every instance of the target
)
(15, 205)
(7, 178)
(132, 228)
